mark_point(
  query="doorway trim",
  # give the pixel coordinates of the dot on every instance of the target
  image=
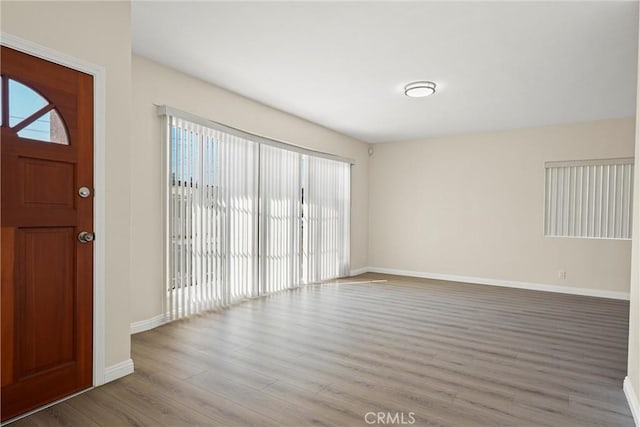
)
(99, 123)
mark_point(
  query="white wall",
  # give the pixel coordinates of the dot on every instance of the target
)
(472, 205)
(99, 33)
(632, 384)
(156, 84)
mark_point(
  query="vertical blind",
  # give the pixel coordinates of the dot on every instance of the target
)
(280, 214)
(592, 199)
(213, 216)
(244, 218)
(327, 210)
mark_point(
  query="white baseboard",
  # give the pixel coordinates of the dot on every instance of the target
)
(118, 370)
(359, 271)
(632, 399)
(147, 324)
(505, 283)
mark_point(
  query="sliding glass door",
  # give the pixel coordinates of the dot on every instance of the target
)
(246, 218)
(327, 210)
(280, 219)
(212, 214)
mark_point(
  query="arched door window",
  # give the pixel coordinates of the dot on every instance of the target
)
(30, 115)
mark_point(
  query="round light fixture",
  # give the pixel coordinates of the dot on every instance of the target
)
(420, 89)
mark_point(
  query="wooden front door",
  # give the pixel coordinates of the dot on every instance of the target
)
(46, 271)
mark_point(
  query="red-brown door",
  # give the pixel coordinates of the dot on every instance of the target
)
(47, 272)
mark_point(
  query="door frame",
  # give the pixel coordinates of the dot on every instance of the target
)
(99, 207)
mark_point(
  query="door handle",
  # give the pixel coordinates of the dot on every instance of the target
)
(84, 192)
(86, 237)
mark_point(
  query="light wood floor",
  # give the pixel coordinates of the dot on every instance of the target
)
(453, 354)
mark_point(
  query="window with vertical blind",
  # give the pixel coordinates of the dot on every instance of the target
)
(280, 219)
(212, 213)
(326, 220)
(589, 199)
(247, 216)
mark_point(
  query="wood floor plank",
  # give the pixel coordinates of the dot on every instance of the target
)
(451, 354)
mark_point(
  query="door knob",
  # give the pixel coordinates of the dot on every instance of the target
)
(85, 237)
(84, 192)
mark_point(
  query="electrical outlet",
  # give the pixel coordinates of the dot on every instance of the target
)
(562, 274)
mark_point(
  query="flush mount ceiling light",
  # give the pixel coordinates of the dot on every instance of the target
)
(419, 89)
